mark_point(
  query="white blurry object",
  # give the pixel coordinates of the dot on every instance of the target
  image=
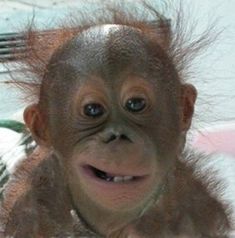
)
(216, 139)
(8, 140)
(11, 150)
(219, 140)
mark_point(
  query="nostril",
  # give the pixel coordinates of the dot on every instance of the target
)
(117, 136)
(124, 137)
(110, 138)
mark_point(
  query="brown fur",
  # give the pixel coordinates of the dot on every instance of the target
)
(37, 204)
(37, 201)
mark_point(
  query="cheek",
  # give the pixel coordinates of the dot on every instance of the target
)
(165, 131)
(63, 141)
(167, 140)
(62, 133)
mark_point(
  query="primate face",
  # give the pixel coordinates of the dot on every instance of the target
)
(115, 113)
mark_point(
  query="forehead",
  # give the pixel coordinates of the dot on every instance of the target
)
(106, 51)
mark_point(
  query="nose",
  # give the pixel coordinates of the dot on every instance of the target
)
(113, 135)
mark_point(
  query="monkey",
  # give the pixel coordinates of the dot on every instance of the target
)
(110, 121)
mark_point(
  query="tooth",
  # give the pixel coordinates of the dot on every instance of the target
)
(117, 179)
(126, 178)
(108, 179)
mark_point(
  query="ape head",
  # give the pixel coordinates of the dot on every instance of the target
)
(114, 110)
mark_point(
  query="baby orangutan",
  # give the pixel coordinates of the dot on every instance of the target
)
(110, 124)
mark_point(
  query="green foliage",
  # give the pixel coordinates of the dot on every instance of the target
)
(13, 125)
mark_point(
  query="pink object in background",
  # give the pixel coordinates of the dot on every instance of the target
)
(219, 139)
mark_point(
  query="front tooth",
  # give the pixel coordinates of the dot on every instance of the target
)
(126, 178)
(108, 179)
(118, 179)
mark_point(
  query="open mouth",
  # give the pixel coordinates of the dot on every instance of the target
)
(118, 187)
(108, 177)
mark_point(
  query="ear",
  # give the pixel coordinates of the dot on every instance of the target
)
(188, 99)
(37, 125)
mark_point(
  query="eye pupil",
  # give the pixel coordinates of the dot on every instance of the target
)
(93, 110)
(135, 104)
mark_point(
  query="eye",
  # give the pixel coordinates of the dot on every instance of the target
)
(135, 104)
(93, 110)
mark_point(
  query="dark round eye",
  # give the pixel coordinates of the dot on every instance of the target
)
(93, 110)
(135, 104)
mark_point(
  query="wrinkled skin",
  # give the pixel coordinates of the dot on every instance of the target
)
(112, 102)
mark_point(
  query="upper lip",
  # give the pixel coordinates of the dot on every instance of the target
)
(118, 171)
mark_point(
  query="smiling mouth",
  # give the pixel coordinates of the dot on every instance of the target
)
(109, 177)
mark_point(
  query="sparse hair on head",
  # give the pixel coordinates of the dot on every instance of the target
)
(172, 35)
